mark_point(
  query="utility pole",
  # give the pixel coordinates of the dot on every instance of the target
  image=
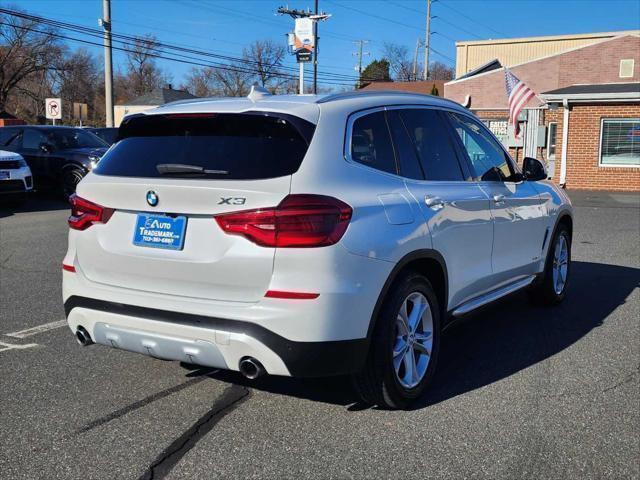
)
(105, 21)
(415, 61)
(359, 54)
(315, 50)
(315, 17)
(425, 73)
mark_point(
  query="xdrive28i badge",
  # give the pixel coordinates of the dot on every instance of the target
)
(152, 198)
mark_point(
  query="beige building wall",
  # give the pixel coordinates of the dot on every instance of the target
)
(514, 51)
(121, 111)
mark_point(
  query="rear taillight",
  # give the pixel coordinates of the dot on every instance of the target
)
(85, 213)
(299, 221)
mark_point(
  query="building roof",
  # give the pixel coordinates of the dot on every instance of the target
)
(412, 87)
(160, 96)
(597, 88)
(514, 51)
(550, 38)
(595, 92)
(487, 67)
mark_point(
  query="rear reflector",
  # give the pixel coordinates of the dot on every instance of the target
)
(68, 268)
(298, 221)
(85, 213)
(291, 295)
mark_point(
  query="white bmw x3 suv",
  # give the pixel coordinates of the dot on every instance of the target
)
(308, 236)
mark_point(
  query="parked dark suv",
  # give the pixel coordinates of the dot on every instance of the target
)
(59, 157)
(109, 135)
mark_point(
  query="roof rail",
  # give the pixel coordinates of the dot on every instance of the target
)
(374, 93)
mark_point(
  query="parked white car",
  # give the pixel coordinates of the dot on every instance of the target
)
(15, 177)
(308, 236)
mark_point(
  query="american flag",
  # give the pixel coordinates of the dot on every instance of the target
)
(519, 94)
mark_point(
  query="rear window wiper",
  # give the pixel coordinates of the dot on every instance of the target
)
(182, 169)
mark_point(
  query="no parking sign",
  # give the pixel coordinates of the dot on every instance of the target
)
(53, 108)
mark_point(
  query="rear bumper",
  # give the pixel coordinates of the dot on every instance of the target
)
(210, 341)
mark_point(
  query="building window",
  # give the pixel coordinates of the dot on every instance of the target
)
(500, 128)
(626, 68)
(551, 141)
(620, 142)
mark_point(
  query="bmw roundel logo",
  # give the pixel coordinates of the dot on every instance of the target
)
(152, 198)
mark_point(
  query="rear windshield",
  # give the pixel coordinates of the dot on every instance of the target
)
(247, 146)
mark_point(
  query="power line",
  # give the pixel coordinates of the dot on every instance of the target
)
(247, 16)
(444, 36)
(441, 54)
(158, 46)
(372, 15)
(389, 20)
(457, 26)
(155, 51)
(443, 4)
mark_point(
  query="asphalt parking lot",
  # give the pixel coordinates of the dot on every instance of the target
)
(521, 391)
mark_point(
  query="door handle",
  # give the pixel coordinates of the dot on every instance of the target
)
(433, 201)
(498, 198)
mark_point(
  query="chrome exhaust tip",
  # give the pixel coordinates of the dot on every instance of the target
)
(83, 337)
(251, 368)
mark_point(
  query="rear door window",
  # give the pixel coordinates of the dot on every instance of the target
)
(247, 146)
(33, 139)
(432, 144)
(371, 143)
(405, 151)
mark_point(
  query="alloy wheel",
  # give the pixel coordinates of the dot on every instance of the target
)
(414, 340)
(560, 264)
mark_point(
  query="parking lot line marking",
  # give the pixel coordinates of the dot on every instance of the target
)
(11, 346)
(35, 330)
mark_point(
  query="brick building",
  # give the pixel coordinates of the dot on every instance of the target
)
(7, 119)
(585, 119)
(424, 87)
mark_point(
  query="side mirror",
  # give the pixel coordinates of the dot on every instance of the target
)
(533, 169)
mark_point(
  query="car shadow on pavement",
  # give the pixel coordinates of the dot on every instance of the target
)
(36, 202)
(492, 344)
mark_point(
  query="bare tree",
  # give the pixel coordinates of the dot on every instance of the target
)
(399, 63)
(261, 64)
(29, 53)
(266, 58)
(78, 76)
(201, 82)
(440, 71)
(232, 81)
(142, 73)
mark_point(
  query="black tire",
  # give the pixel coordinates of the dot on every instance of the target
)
(377, 384)
(544, 291)
(71, 176)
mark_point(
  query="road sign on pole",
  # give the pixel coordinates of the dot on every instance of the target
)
(53, 109)
(303, 42)
(80, 112)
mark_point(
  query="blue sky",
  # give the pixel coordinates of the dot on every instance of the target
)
(225, 26)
